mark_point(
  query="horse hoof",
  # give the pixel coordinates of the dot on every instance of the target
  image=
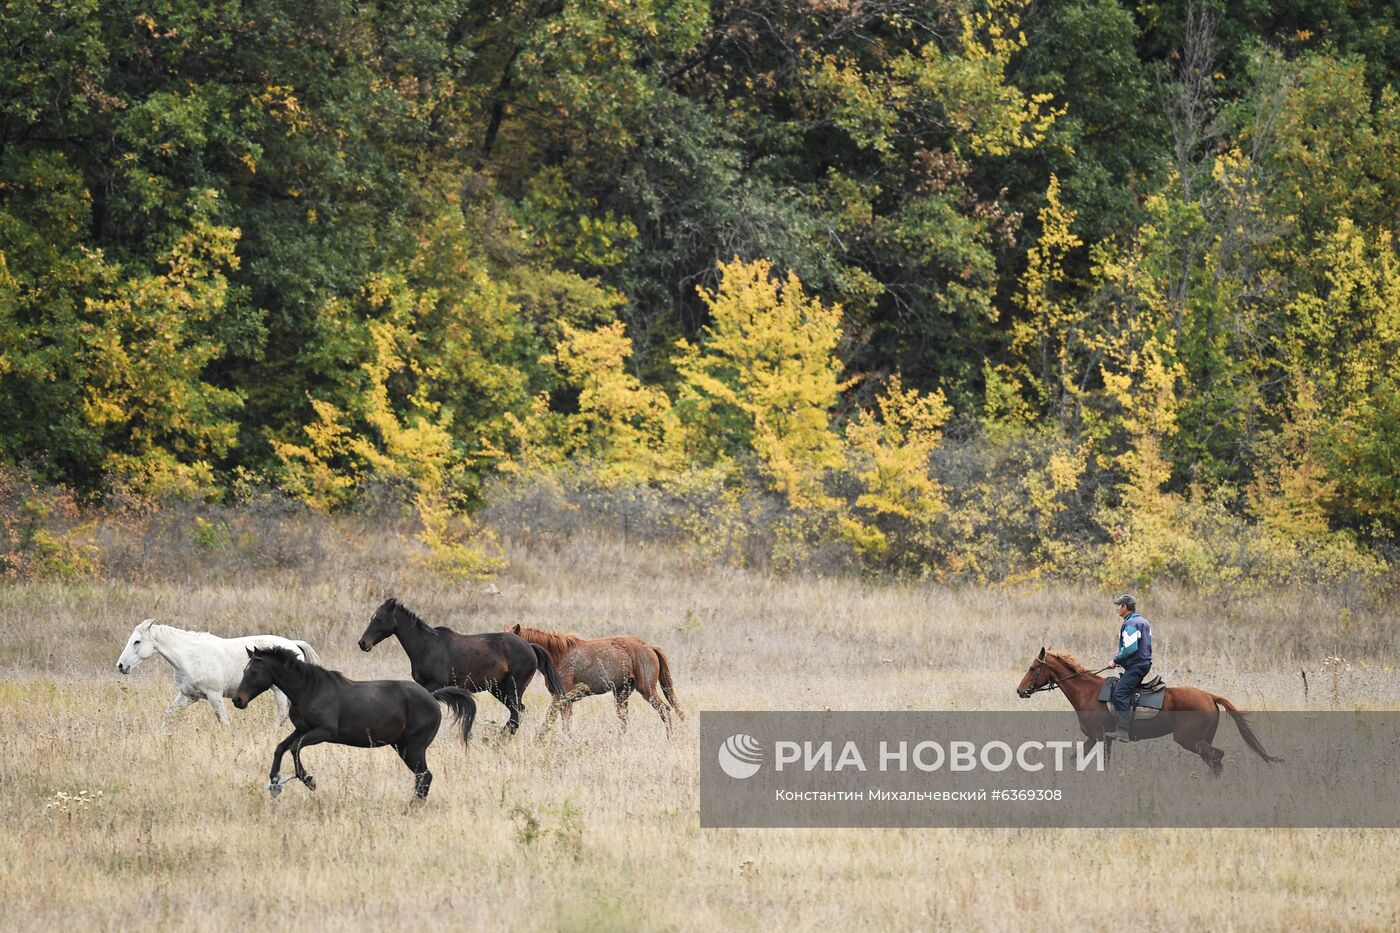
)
(274, 788)
(310, 782)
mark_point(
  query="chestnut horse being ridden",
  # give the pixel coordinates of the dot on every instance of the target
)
(617, 664)
(1189, 714)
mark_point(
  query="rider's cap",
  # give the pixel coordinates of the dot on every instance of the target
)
(1126, 600)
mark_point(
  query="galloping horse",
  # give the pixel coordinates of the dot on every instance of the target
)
(439, 657)
(1189, 713)
(327, 706)
(617, 664)
(207, 667)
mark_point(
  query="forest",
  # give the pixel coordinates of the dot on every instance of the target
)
(986, 290)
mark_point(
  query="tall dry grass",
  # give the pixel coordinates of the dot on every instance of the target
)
(599, 830)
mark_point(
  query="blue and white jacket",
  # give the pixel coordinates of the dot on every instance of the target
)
(1135, 641)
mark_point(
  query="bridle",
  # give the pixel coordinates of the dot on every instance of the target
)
(1054, 682)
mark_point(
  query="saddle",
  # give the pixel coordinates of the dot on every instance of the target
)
(1146, 700)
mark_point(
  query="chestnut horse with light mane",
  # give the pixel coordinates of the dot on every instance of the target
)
(617, 664)
(1189, 714)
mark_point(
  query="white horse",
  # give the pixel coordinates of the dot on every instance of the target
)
(207, 667)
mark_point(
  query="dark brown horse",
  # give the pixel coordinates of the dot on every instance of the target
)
(617, 664)
(327, 706)
(499, 662)
(1189, 714)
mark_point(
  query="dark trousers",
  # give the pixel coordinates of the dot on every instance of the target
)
(1132, 677)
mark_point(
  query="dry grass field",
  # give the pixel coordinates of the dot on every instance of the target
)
(599, 831)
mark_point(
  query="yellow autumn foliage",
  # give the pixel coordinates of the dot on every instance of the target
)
(888, 449)
(621, 425)
(1052, 337)
(764, 379)
(1144, 528)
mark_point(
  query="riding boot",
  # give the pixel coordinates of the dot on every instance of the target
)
(1121, 735)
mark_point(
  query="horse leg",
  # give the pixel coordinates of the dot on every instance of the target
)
(649, 694)
(310, 737)
(663, 710)
(1194, 743)
(515, 700)
(1212, 756)
(573, 692)
(556, 709)
(622, 693)
(416, 757)
(274, 778)
(502, 692)
(283, 704)
(216, 700)
(177, 704)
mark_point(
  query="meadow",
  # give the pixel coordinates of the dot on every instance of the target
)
(116, 818)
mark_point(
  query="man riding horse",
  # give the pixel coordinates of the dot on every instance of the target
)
(1134, 656)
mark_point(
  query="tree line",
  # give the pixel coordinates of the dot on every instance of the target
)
(965, 287)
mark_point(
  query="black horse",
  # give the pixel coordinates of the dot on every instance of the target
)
(501, 662)
(327, 706)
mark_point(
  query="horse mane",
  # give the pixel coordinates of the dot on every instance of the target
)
(1068, 659)
(412, 616)
(327, 672)
(173, 628)
(286, 656)
(277, 653)
(560, 643)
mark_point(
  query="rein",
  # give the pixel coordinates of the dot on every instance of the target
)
(1054, 682)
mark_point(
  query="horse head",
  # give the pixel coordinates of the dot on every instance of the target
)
(1038, 677)
(258, 675)
(139, 647)
(381, 625)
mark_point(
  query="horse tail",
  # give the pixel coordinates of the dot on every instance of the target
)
(665, 679)
(463, 707)
(1242, 722)
(308, 652)
(546, 666)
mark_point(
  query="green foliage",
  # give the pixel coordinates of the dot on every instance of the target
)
(1084, 53)
(1362, 450)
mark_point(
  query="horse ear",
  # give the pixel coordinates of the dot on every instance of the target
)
(1042, 652)
(515, 628)
(249, 650)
